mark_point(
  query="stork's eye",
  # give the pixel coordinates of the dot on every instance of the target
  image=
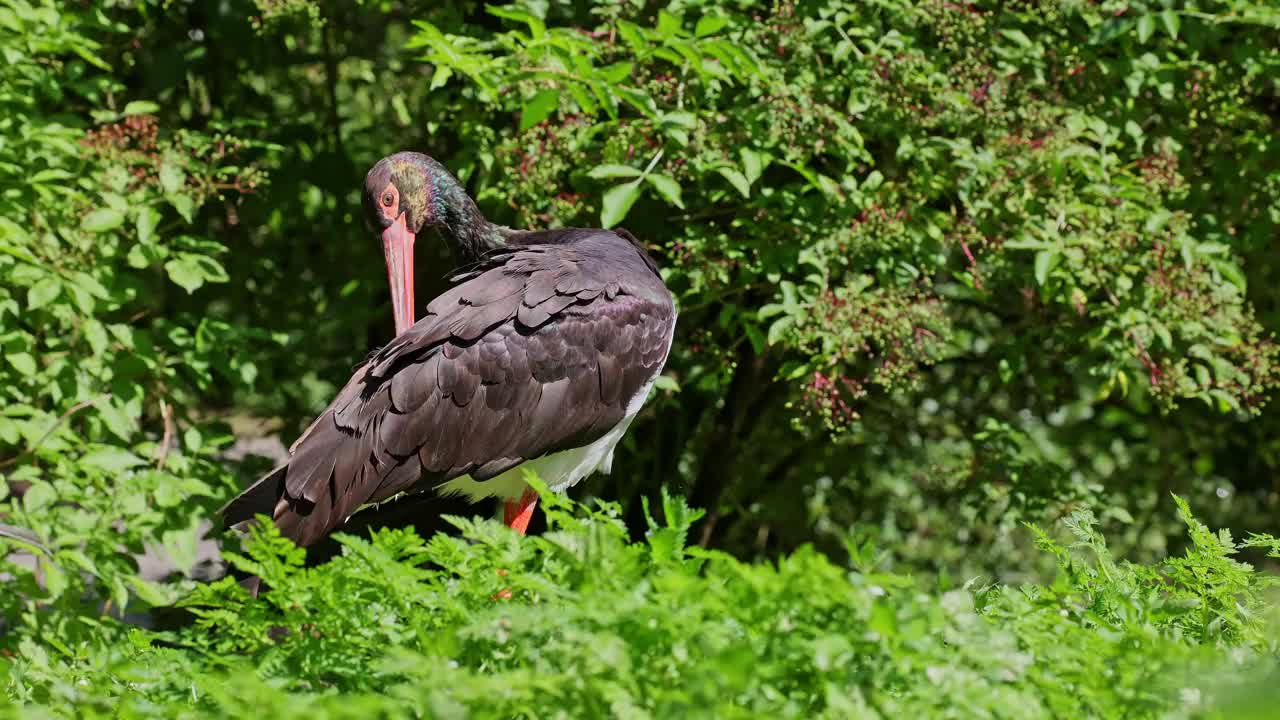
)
(388, 199)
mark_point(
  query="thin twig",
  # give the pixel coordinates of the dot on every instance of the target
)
(24, 536)
(167, 413)
(63, 418)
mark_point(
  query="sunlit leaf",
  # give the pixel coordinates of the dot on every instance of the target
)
(1046, 260)
(141, 107)
(737, 179)
(110, 459)
(617, 203)
(709, 25)
(667, 187)
(23, 362)
(539, 108)
(38, 496)
(190, 271)
(185, 206)
(601, 172)
(148, 218)
(102, 220)
(172, 176)
(43, 293)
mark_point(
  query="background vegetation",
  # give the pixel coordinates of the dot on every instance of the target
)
(964, 287)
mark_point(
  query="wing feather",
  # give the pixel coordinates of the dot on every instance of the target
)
(539, 349)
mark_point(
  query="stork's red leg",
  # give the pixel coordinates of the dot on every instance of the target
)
(517, 513)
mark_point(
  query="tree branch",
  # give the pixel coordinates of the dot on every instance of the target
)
(61, 419)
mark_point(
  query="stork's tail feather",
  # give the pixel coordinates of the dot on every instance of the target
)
(259, 498)
(298, 519)
(294, 518)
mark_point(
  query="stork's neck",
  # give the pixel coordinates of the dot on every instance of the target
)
(462, 224)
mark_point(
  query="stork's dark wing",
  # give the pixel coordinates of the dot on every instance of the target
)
(537, 350)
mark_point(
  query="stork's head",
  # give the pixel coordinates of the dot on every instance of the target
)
(400, 199)
(404, 186)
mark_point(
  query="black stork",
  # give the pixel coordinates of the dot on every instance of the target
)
(538, 356)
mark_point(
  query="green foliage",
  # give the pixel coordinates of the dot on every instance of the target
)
(1071, 191)
(896, 227)
(601, 627)
(945, 269)
(101, 370)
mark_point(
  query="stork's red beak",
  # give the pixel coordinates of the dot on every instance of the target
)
(397, 246)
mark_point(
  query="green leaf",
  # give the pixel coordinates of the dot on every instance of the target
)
(148, 218)
(666, 383)
(790, 298)
(668, 25)
(1203, 378)
(583, 98)
(212, 269)
(39, 495)
(617, 72)
(710, 25)
(141, 107)
(185, 206)
(110, 459)
(808, 175)
(617, 203)
(89, 57)
(1172, 23)
(1226, 401)
(1157, 220)
(51, 175)
(753, 164)
(539, 108)
(1018, 37)
(1110, 30)
(440, 77)
(89, 284)
(779, 328)
(96, 335)
(686, 120)
(602, 172)
(184, 274)
(633, 36)
(148, 592)
(172, 176)
(55, 583)
(22, 362)
(1231, 272)
(737, 180)
(117, 418)
(667, 187)
(757, 338)
(190, 271)
(1045, 262)
(102, 220)
(193, 439)
(144, 256)
(43, 293)
(537, 28)
(248, 372)
(1146, 26)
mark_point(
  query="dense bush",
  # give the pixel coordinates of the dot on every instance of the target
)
(599, 627)
(944, 268)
